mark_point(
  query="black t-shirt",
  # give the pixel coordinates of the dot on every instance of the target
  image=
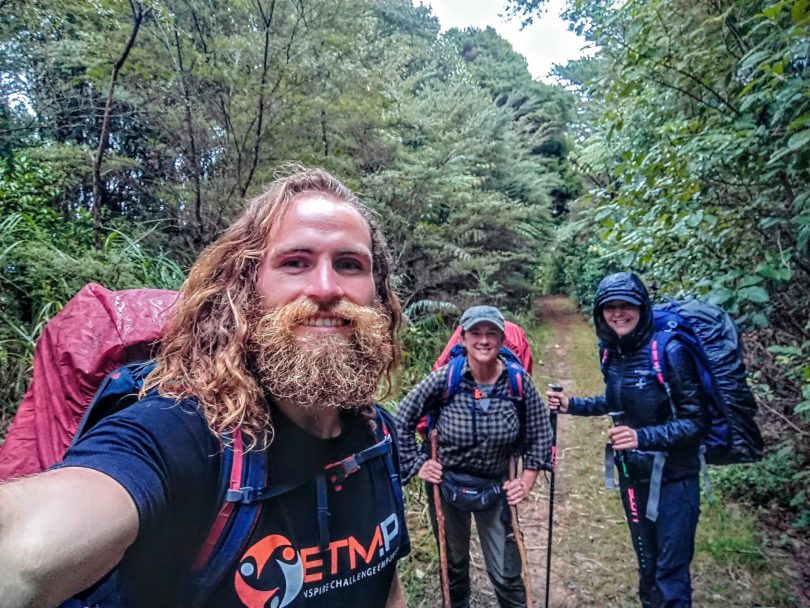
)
(283, 565)
(163, 454)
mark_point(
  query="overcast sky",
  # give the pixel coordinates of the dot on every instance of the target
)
(547, 41)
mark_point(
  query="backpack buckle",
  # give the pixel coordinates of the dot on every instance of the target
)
(337, 472)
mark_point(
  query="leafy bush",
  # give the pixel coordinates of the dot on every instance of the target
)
(427, 329)
(45, 260)
(781, 479)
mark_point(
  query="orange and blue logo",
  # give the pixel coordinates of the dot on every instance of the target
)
(274, 559)
(272, 573)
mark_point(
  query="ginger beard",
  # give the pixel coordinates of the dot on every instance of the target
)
(331, 370)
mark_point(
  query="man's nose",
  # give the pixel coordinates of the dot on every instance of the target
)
(325, 285)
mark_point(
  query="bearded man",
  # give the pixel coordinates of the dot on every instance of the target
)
(285, 327)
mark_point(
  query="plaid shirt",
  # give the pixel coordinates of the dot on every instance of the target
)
(486, 451)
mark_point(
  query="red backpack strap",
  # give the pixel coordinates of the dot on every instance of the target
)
(243, 475)
(221, 520)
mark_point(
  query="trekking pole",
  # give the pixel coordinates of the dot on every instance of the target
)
(437, 503)
(524, 560)
(618, 420)
(557, 388)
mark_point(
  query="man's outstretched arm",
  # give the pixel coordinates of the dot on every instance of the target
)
(61, 531)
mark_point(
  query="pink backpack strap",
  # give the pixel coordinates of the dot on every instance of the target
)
(656, 360)
(221, 520)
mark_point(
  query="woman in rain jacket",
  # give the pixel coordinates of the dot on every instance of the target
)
(648, 422)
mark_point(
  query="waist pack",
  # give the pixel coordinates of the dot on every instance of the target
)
(468, 492)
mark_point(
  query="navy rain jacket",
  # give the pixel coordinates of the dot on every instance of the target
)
(631, 387)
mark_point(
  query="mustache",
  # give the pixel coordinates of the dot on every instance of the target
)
(285, 318)
(298, 312)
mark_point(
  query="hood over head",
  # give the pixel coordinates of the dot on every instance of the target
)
(627, 287)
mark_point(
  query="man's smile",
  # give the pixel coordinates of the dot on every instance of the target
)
(325, 322)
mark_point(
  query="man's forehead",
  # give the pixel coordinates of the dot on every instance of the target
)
(322, 209)
(315, 220)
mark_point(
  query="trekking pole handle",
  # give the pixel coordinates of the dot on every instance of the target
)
(617, 418)
(557, 388)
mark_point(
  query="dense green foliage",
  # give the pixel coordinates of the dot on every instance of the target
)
(132, 132)
(694, 144)
(156, 119)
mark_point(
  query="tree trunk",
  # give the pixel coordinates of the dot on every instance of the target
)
(138, 15)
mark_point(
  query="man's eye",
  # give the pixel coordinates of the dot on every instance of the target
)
(349, 264)
(293, 263)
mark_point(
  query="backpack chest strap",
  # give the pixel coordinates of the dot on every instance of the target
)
(336, 473)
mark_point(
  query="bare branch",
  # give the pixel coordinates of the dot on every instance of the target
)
(138, 16)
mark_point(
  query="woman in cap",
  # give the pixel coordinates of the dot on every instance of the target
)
(481, 424)
(656, 437)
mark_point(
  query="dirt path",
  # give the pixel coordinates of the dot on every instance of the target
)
(560, 313)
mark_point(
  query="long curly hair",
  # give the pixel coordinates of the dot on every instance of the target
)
(205, 352)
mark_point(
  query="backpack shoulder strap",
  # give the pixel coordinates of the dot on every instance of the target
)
(458, 357)
(516, 374)
(658, 346)
(604, 356)
(455, 365)
(119, 389)
(386, 427)
(661, 340)
(514, 371)
(243, 478)
(240, 470)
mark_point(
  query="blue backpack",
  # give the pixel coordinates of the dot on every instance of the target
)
(710, 334)
(515, 374)
(242, 486)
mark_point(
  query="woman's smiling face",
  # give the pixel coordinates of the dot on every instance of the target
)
(622, 317)
(483, 342)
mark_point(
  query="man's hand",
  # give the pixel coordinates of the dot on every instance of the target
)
(431, 471)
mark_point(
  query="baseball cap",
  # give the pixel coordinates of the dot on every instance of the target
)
(480, 314)
(624, 297)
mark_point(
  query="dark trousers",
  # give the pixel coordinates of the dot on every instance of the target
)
(664, 548)
(501, 556)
